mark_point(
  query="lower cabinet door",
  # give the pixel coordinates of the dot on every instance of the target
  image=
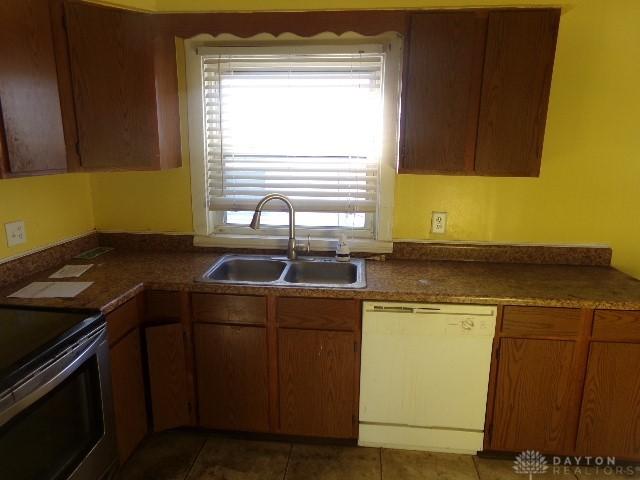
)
(317, 379)
(128, 394)
(167, 377)
(535, 396)
(231, 368)
(610, 417)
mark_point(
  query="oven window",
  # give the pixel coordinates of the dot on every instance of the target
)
(49, 439)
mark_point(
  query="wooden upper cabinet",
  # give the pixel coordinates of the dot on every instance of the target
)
(476, 91)
(443, 76)
(31, 128)
(515, 91)
(125, 89)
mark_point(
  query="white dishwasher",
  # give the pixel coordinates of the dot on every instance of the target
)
(424, 375)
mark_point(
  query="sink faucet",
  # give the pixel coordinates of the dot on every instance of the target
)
(292, 254)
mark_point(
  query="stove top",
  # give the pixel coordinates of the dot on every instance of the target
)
(29, 336)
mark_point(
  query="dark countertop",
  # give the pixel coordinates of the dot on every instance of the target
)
(120, 275)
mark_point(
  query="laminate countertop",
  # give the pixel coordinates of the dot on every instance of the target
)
(119, 276)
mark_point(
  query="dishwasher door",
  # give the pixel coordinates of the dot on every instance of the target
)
(424, 375)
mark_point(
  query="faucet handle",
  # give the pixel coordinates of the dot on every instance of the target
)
(304, 247)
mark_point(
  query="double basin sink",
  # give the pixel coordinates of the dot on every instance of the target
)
(280, 271)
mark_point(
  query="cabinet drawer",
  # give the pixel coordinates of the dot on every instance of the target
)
(318, 313)
(616, 325)
(541, 321)
(161, 305)
(233, 309)
(122, 320)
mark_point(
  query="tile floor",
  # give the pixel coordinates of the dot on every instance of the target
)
(182, 455)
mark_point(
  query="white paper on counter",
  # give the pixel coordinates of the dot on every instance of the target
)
(51, 290)
(70, 271)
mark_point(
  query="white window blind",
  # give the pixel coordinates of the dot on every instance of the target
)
(306, 125)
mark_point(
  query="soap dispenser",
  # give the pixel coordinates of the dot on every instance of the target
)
(343, 252)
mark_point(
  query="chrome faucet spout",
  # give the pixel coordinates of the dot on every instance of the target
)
(255, 221)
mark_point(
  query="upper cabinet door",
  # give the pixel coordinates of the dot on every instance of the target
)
(515, 91)
(124, 109)
(443, 79)
(31, 132)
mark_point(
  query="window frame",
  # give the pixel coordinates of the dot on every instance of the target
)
(209, 227)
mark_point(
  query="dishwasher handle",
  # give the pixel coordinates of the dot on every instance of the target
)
(402, 309)
(433, 309)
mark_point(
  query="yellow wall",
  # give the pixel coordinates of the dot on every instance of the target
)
(588, 188)
(148, 201)
(143, 201)
(587, 191)
(54, 208)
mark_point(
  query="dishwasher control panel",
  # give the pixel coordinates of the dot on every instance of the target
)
(438, 319)
(470, 325)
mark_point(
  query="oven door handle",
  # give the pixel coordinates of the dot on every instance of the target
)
(42, 381)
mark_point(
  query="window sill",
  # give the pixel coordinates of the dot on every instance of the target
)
(280, 243)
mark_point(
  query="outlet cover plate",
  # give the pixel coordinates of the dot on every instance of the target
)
(16, 233)
(439, 222)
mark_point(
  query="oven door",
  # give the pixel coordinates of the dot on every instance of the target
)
(58, 423)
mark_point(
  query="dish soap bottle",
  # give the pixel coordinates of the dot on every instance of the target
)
(343, 252)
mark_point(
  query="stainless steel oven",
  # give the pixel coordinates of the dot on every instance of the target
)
(57, 421)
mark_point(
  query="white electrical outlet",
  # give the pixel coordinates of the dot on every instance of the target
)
(16, 233)
(438, 222)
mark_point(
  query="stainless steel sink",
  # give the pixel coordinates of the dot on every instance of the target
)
(248, 270)
(279, 271)
(337, 273)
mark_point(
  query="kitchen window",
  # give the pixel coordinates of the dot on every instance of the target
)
(317, 123)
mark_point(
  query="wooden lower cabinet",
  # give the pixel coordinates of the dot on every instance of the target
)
(166, 360)
(563, 381)
(534, 396)
(128, 393)
(610, 415)
(316, 383)
(566, 382)
(232, 377)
